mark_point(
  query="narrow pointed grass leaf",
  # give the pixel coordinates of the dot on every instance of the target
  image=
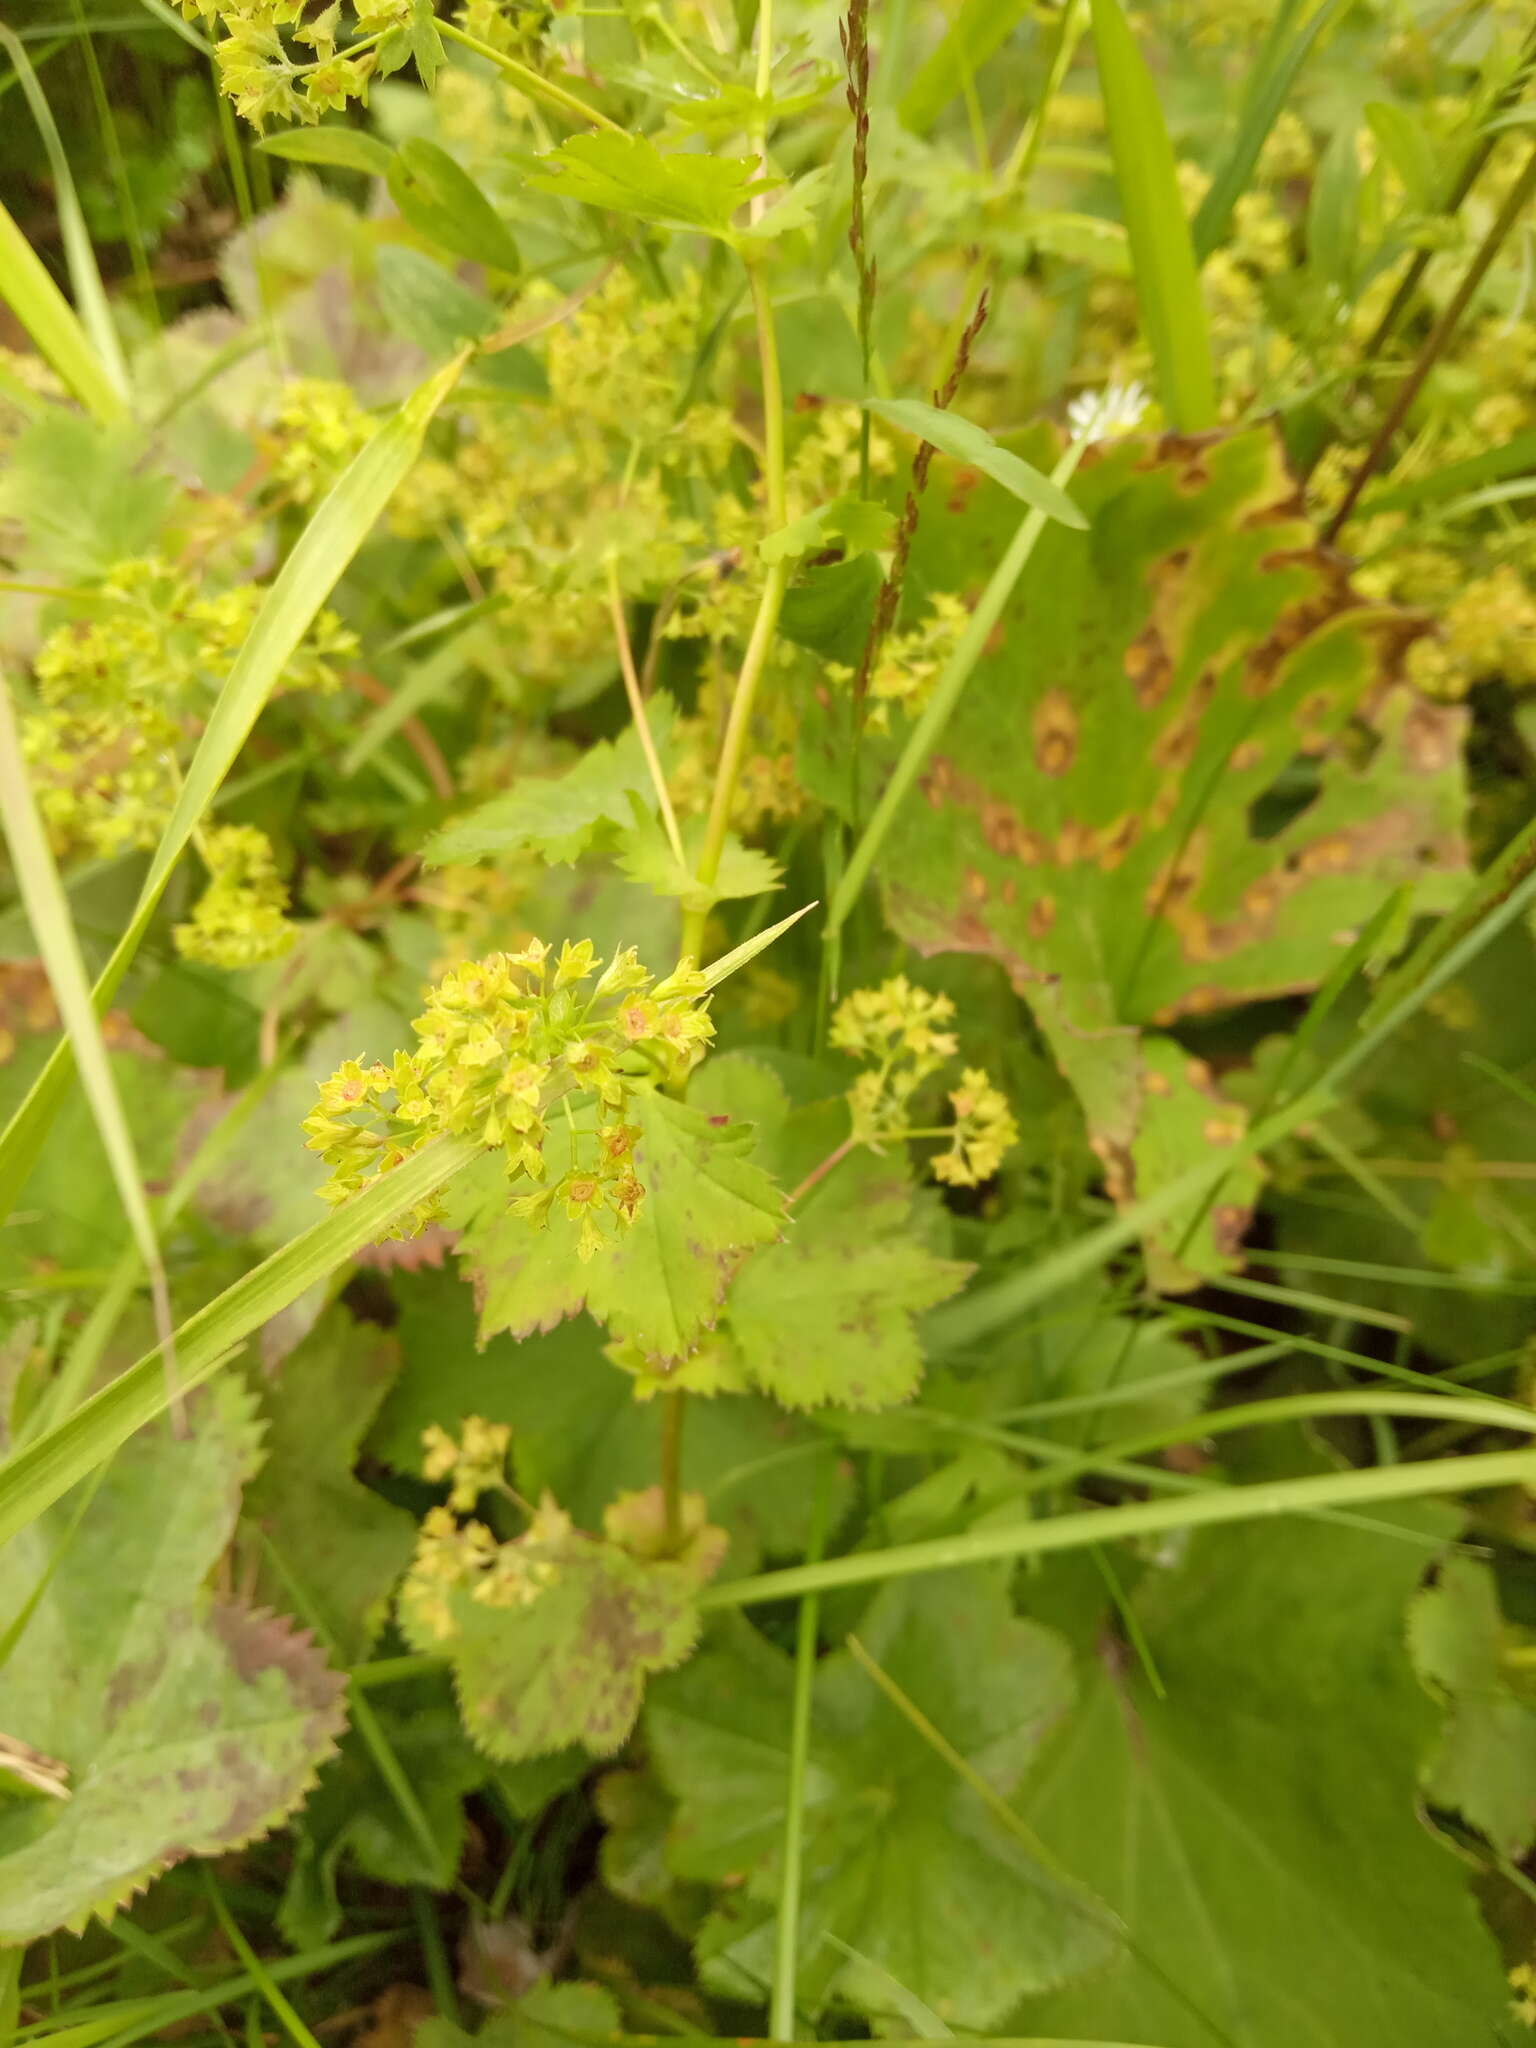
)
(53, 1462)
(53, 325)
(84, 276)
(1162, 255)
(319, 559)
(47, 908)
(728, 963)
(1286, 50)
(1075, 1531)
(957, 437)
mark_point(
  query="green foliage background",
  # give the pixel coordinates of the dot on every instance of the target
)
(563, 570)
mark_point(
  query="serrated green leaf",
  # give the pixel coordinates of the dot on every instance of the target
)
(661, 1285)
(442, 201)
(345, 149)
(646, 856)
(348, 1545)
(577, 1432)
(975, 446)
(1095, 818)
(562, 816)
(826, 1316)
(188, 1725)
(629, 174)
(912, 1869)
(1257, 1828)
(1484, 1765)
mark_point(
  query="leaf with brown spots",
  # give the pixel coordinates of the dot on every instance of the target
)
(188, 1725)
(570, 1665)
(1110, 813)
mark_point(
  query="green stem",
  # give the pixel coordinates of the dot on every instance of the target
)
(643, 733)
(673, 1410)
(1140, 1518)
(781, 2010)
(529, 80)
(1515, 203)
(938, 710)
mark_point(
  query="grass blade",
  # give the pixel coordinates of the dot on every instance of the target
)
(53, 325)
(1139, 1518)
(317, 563)
(47, 908)
(1162, 255)
(1279, 64)
(85, 278)
(35, 1477)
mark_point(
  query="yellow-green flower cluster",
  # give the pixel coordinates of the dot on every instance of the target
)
(267, 81)
(239, 920)
(123, 692)
(984, 1132)
(453, 1555)
(500, 1042)
(897, 1028)
(476, 1463)
(315, 430)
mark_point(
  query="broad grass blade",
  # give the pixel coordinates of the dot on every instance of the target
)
(51, 321)
(1162, 255)
(85, 278)
(47, 908)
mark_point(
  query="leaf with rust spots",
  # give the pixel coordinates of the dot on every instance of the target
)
(1101, 816)
(570, 1665)
(662, 1283)
(187, 1725)
(305, 1516)
(826, 1316)
(912, 1869)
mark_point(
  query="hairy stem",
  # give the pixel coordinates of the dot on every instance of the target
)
(673, 1409)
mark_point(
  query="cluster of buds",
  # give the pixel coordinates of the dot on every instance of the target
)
(239, 919)
(475, 1464)
(984, 1132)
(503, 1040)
(897, 1029)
